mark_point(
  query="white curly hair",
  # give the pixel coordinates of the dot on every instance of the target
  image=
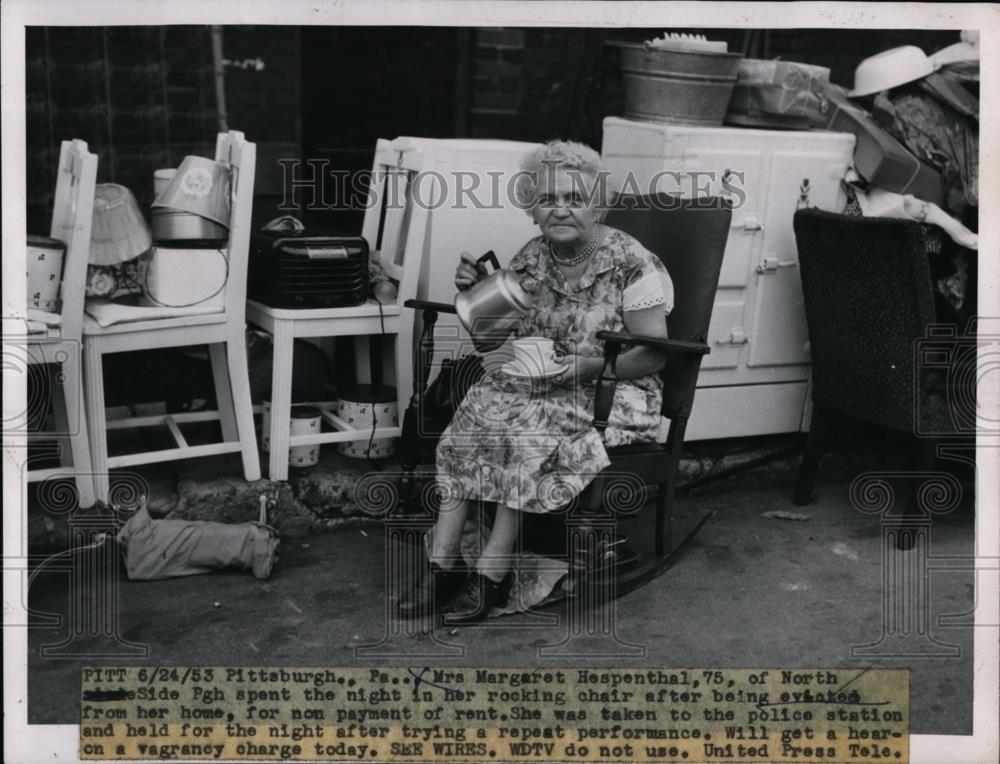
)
(567, 155)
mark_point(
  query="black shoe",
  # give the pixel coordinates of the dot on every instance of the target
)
(435, 588)
(477, 598)
(607, 553)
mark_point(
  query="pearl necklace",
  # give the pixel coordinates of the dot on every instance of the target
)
(585, 252)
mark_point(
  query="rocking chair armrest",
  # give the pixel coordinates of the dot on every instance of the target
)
(604, 400)
(660, 343)
(606, 382)
(440, 307)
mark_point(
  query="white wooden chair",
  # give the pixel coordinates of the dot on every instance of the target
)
(58, 342)
(222, 331)
(399, 246)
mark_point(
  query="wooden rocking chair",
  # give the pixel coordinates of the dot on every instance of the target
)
(689, 236)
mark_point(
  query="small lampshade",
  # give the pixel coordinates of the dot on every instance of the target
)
(200, 186)
(119, 232)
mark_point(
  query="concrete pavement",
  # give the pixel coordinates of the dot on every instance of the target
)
(749, 591)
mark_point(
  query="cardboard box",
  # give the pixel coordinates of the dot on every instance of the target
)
(878, 157)
(782, 94)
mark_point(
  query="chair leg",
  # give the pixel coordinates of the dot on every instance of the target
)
(412, 371)
(281, 399)
(924, 461)
(363, 360)
(78, 442)
(239, 381)
(665, 498)
(223, 391)
(663, 523)
(96, 416)
(69, 408)
(60, 414)
(404, 368)
(810, 461)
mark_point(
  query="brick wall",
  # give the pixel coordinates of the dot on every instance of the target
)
(262, 97)
(526, 83)
(144, 97)
(523, 81)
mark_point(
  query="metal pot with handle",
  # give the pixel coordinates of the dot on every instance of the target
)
(493, 307)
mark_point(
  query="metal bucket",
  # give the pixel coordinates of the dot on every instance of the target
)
(677, 86)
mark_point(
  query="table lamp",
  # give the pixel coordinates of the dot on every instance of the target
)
(119, 232)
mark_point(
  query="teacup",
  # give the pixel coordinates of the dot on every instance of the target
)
(534, 355)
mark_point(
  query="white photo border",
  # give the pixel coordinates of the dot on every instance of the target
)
(29, 743)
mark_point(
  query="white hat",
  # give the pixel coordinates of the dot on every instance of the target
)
(890, 69)
(966, 50)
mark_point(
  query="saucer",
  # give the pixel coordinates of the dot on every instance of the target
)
(513, 369)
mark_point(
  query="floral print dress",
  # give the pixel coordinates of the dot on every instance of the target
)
(532, 446)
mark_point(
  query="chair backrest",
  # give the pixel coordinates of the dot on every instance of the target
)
(72, 215)
(689, 236)
(868, 299)
(240, 155)
(396, 214)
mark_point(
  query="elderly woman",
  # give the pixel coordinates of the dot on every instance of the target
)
(529, 445)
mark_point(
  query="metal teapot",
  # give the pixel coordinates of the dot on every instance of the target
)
(493, 307)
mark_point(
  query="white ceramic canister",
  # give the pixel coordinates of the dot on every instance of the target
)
(365, 407)
(45, 262)
(305, 421)
(162, 178)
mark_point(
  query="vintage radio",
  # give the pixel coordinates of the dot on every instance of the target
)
(307, 269)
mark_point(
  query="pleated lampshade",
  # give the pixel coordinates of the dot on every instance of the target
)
(119, 232)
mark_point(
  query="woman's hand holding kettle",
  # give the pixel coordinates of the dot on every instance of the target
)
(489, 305)
(469, 271)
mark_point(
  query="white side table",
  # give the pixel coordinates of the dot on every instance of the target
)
(287, 324)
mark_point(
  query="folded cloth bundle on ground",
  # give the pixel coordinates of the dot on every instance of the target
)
(156, 549)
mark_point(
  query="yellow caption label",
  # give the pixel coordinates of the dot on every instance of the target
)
(476, 714)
